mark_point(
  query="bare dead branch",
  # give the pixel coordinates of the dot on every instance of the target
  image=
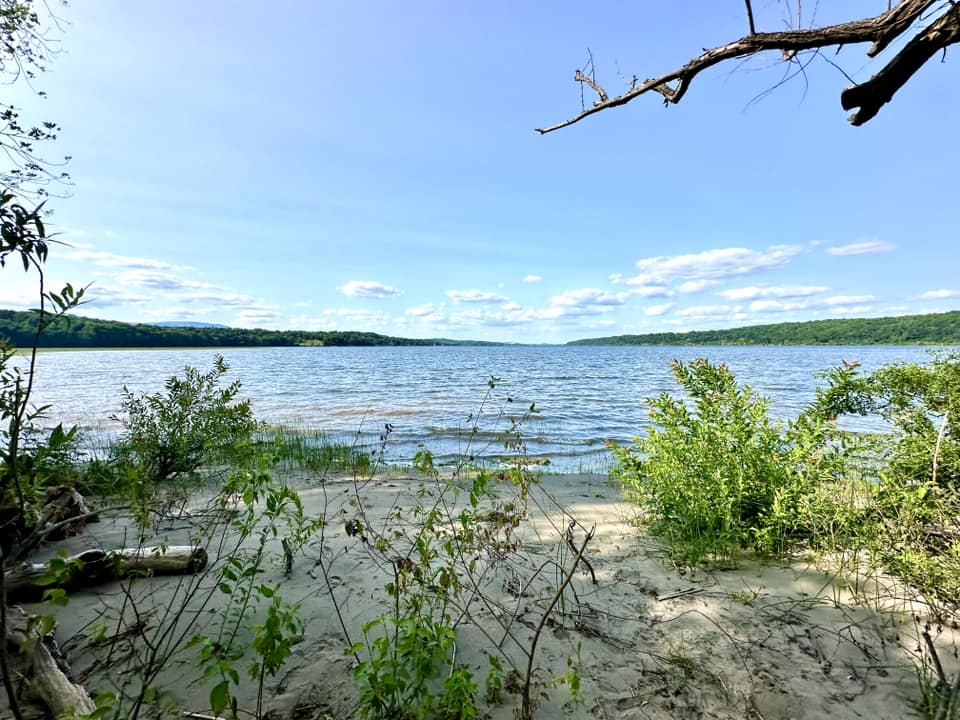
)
(580, 77)
(753, 27)
(881, 30)
(880, 89)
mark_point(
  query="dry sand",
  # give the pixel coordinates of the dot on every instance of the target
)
(762, 641)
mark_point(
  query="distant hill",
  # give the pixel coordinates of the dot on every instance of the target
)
(186, 323)
(931, 329)
(74, 331)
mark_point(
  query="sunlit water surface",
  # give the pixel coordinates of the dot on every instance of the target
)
(435, 395)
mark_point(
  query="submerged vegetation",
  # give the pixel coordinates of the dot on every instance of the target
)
(930, 329)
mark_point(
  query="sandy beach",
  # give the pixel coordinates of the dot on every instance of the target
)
(647, 639)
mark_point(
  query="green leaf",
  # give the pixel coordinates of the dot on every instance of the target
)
(220, 697)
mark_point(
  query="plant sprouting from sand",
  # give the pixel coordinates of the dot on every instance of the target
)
(466, 535)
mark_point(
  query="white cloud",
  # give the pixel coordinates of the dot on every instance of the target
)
(366, 317)
(767, 306)
(421, 310)
(176, 312)
(711, 264)
(567, 307)
(835, 304)
(648, 291)
(312, 322)
(159, 280)
(368, 289)
(256, 317)
(862, 248)
(220, 297)
(707, 311)
(19, 300)
(105, 259)
(589, 297)
(692, 286)
(532, 279)
(772, 291)
(474, 296)
(939, 294)
(108, 296)
(848, 299)
(851, 309)
(653, 310)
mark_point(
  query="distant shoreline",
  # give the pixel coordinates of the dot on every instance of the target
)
(933, 329)
(76, 332)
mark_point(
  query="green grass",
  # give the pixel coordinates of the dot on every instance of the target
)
(298, 448)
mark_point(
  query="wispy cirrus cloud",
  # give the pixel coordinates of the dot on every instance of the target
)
(428, 313)
(532, 279)
(714, 264)
(706, 312)
(368, 289)
(836, 303)
(589, 297)
(772, 291)
(694, 286)
(778, 306)
(941, 294)
(848, 299)
(106, 259)
(18, 299)
(862, 247)
(109, 296)
(475, 296)
(257, 318)
(176, 312)
(654, 310)
(358, 315)
(156, 280)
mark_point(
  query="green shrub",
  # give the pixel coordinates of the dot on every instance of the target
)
(716, 474)
(914, 470)
(195, 422)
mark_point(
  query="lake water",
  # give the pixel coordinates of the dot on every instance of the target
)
(434, 395)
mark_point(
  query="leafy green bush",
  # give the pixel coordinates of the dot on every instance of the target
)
(716, 474)
(915, 469)
(194, 423)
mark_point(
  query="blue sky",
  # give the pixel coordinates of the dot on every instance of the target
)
(374, 166)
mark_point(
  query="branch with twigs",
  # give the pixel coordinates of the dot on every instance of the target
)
(867, 97)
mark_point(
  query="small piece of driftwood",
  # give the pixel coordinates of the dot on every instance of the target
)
(679, 593)
(28, 581)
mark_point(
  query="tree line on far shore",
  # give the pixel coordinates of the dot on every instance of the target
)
(930, 329)
(19, 328)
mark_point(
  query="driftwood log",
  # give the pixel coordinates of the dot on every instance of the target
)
(28, 581)
(48, 682)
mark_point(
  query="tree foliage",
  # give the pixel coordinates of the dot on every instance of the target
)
(27, 41)
(931, 329)
(18, 327)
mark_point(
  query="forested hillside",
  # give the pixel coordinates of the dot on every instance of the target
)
(19, 328)
(932, 329)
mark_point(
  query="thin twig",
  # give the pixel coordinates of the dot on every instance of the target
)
(526, 707)
(936, 449)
